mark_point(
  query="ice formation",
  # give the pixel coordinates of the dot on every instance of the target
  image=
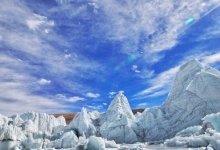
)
(194, 94)
(206, 135)
(189, 118)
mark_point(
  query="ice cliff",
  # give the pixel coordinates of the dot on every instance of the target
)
(194, 95)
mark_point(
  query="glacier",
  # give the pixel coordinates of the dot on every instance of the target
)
(189, 117)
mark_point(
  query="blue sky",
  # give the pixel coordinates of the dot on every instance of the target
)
(61, 55)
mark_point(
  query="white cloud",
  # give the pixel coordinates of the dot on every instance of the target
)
(158, 23)
(43, 81)
(211, 59)
(67, 55)
(105, 104)
(16, 87)
(37, 20)
(92, 95)
(142, 105)
(73, 99)
(76, 98)
(145, 73)
(159, 93)
(97, 107)
(39, 56)
(63, 1)
(16, 99)
(134, 68)
(61, 96)
(112, 93)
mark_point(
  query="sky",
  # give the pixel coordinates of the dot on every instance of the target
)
(57, 56)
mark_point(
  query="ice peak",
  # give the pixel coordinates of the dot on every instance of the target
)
(121, 93)
(194, 63)
(119, 105)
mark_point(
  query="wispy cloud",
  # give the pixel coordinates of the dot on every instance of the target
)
(145, 73)
(142, 105)
(97, 107)
(29, 57)
(18, 100)
(92, 95)
(153, 25)
(160, 84)
(76, 98)
(37, 20)
(43, 81)
(211, 59)
(156, 23)
(111, 94)
(63, 1)
(64, 98)
(134, 68)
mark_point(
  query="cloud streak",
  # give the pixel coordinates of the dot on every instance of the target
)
(92, 95)
(143, 19)
(160, 84)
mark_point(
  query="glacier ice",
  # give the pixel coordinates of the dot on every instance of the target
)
(188, 118)
(115, 123)
(82, 123)
(206, 135)
(194, 94)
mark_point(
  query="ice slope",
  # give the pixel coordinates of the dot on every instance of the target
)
(194, 94)
(207, 135)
